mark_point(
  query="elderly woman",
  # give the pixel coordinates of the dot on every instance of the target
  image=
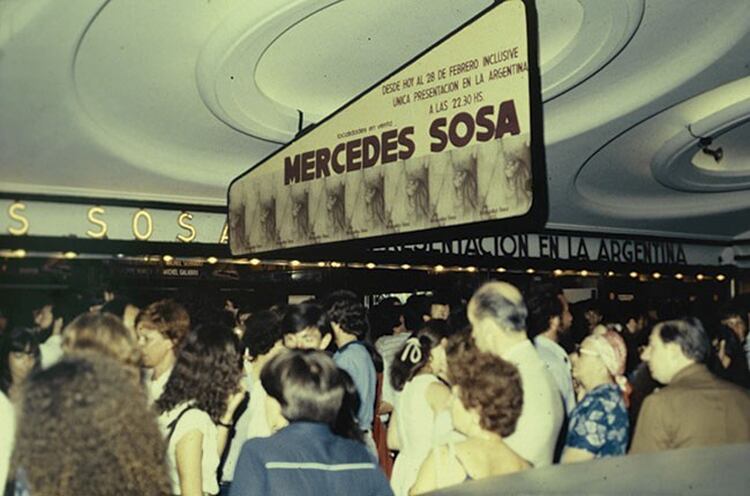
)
(599, 424)
(487, 401)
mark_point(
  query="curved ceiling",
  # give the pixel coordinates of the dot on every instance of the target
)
(124, 98)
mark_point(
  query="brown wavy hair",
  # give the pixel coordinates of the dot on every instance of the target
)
(103, 333)
(487, 383)
(85, 428)
(168, 317)
(207, 371)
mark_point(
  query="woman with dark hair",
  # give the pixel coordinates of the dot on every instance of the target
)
(197, 407)
(85, 429)
(19, 356)
(305, 455)
(487, 401)
(415, 426)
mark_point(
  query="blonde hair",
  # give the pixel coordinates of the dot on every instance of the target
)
(102, 333)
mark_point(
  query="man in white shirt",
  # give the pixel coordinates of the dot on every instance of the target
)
(549, 319)
(161, 328)
(497, 315)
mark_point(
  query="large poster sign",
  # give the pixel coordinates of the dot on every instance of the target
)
(445, 141)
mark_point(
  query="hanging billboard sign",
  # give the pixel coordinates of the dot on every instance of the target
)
(450, 142)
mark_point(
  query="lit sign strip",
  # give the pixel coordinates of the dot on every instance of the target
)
(39, 218)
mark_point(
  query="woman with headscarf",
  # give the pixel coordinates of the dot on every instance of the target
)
(599, 423)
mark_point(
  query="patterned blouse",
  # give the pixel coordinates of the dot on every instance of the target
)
(599, 423)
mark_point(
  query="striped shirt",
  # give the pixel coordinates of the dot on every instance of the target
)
(307, 458)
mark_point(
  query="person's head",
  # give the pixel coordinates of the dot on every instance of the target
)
(634, 317)
(416, 312)
(263, 337)
(423, 351)
(43, 313)
(161, 328)
(593, 314)
(674, 345)
(85, 428)
(19, 355)
(306, 326)
(735, 317)
(545, 312)
(599, 359)
(303, 385)
(123, 308)
(347, 315)
(487, 390)
(207, 372)
(386, 319)
(440, 306)
(103, 333)
(497, 315)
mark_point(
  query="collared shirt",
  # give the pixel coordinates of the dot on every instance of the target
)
(307, 458)
(599, 423)
(695, 409)
(542, 414)
(556, 359)
(355, 359)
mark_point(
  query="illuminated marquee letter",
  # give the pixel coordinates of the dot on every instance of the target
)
(102, 232)
(13, 212)
(224, 239)
(149, 223)
(182, 221)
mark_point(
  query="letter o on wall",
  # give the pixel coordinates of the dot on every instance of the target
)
(140, 236)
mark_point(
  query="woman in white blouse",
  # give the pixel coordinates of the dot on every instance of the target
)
(197, 407)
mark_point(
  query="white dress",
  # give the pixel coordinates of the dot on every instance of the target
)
(192, 420)
(419, 430)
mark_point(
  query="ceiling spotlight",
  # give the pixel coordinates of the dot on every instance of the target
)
(656, 275)
(439, 268)
(370, 265)
(167, 258)
(336, 265)
(321, 264)
(501, 269)
(530, 271)
(405, 266)
(294, 263)
(610, 273)
(720, 277)
(634, 274)
(254, 261)
(70, 255)
(700, 277)
(471, 269)
(584, 273)
(20, 253)
(212, 260)
(558, 272)
(679, 276)
(120, 255)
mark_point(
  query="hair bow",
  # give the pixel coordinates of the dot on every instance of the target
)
(412, 351)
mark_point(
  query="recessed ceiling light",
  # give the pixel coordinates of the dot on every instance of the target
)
(471, 269)
(656, 275)
(70, 255)
(634, 274)
(700, 277)
(439, 268)
(584, 273)
(678, 276)
(254, 261)
(720, 277)
(530, 271)
(167, 258)
(501, 269)
(405, 266)
(557, 272)
(294, 263)
(370, 265)
(212, 260)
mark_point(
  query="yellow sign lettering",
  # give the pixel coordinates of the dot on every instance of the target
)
(140, 236)
(13, 211)
(182, 221)
(224, 239)
(102, 232)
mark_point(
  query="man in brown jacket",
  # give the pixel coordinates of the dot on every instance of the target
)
(696, 408)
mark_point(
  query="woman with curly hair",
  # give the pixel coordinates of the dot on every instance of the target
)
(85, 428)
(197, 407)
(487, 401)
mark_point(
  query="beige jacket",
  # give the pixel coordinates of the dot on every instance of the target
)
(695, 409)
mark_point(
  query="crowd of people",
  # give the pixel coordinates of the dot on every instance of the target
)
(203, 396)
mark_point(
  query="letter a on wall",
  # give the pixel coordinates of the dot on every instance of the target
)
(448, 144)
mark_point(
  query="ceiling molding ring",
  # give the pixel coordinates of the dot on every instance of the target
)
(606, 29)
(679, 163)
(234, 96)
